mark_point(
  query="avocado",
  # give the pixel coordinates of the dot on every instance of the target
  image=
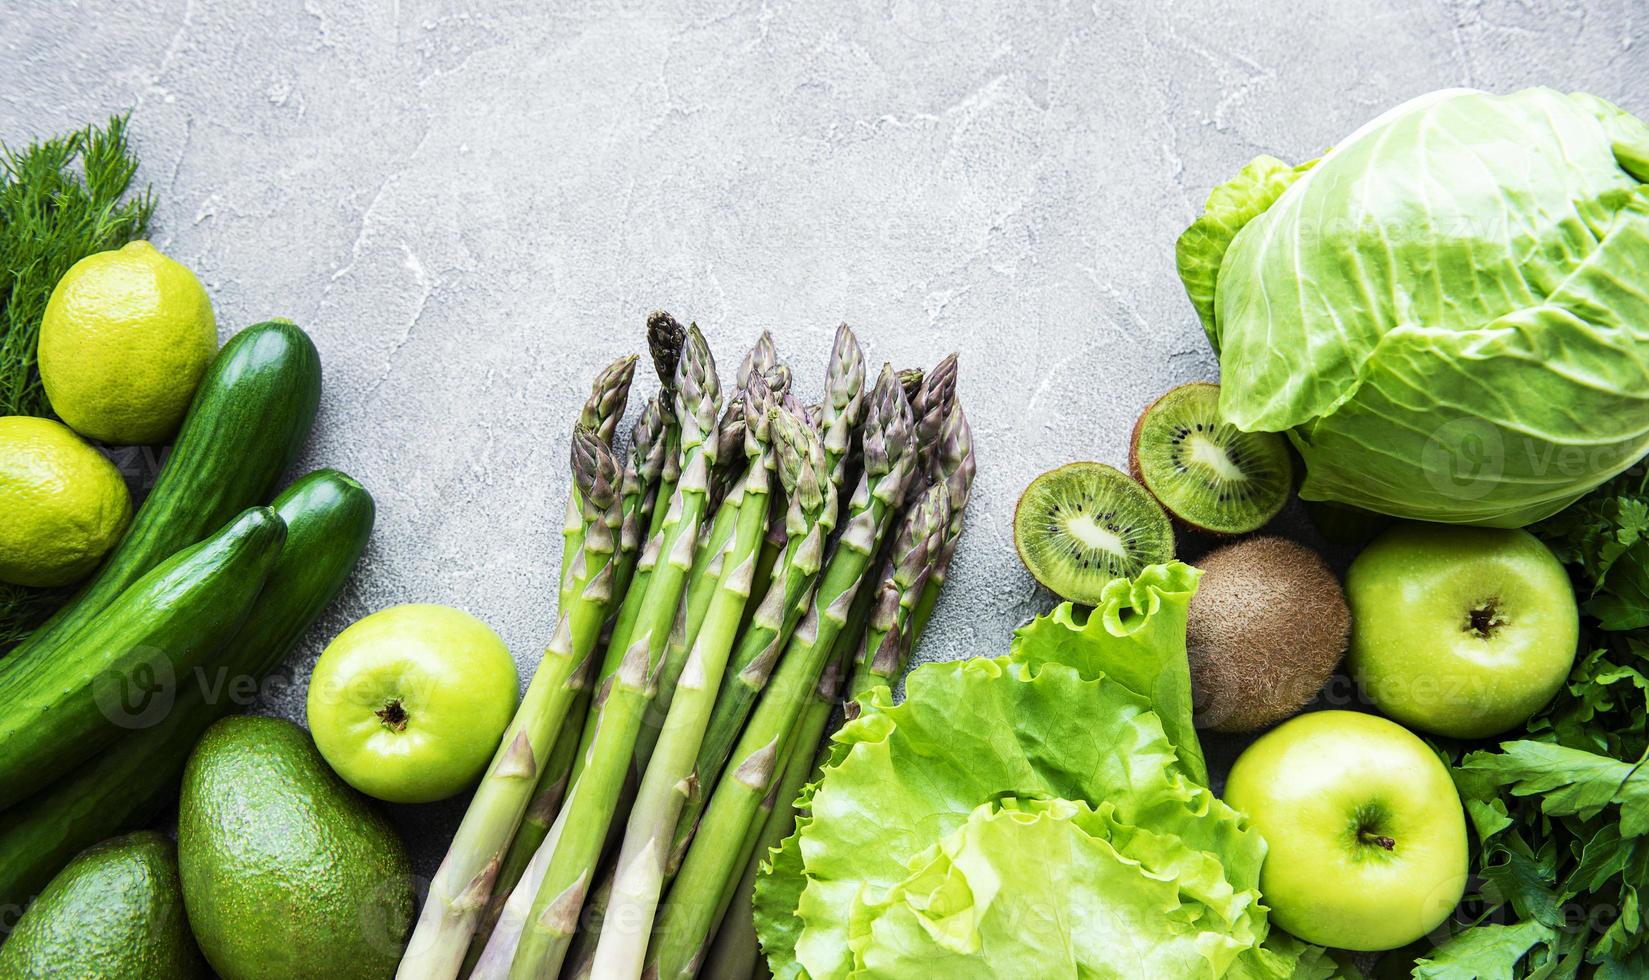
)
(115, 912)
(287, 871)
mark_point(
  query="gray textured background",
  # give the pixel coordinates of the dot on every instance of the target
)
(471, 207)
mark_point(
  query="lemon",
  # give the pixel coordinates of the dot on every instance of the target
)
(65, 504)
(125, 338)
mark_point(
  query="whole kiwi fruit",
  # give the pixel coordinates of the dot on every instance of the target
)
(1267, 627)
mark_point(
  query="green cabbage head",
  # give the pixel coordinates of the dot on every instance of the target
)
(1448, 313)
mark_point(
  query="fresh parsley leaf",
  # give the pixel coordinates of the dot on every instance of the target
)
(1486, 952)
(1570, 782)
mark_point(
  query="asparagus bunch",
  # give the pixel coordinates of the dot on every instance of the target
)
(571, 867)
(711, 863)
(462, 884)
(638, 501)
(721, 591)
(788, 598)
(881, 632)
(670, 777)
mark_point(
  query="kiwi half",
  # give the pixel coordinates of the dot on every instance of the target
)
(1208, 473)
(1081, 525)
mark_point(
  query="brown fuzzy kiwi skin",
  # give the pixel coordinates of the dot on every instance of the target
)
(1138, 474)
(1267, 627)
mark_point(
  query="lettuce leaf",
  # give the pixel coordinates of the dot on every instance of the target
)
(1026, 815)
(1136, 637)
(1055, 888)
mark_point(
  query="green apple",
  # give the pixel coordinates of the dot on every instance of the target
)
(409, 703)
(1367, 839)
(1460, 631)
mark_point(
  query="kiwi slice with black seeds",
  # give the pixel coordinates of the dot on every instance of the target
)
(1209, 474)
(1081, 525)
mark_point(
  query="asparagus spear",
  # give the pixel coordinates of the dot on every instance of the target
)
(885, 645)
(956, 466)
(600, 416)
(465, 877)
(669, 777)
(711, 861)
(762, 361)
(589, 810)
(931, 406)
(641, 475)
(910, 379)
(844, 400)
(493, 961)
(641, 482)
(734, 951)
(665, 339)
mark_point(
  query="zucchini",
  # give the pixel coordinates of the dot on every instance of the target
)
(60, 705)
(245, 428)
(328, 518)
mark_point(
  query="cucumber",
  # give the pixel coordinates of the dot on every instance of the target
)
(60, 705)
(245, 427)
(328, 518)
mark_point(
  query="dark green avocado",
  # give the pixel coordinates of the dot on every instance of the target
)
(115, 912)
(287, 871)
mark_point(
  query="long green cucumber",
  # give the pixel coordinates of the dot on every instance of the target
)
(245, 428)
(328, 518)
(61, 704)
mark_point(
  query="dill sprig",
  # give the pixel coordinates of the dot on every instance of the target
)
(52, 215)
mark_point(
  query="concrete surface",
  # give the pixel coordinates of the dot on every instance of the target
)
(471, 206)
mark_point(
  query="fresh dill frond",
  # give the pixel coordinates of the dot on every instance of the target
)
(53, 214)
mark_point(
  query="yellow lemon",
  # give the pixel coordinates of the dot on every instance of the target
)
(126, 336)
(64, 503)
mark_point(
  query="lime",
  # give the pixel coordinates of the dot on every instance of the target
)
(126, 336)
(65, 503)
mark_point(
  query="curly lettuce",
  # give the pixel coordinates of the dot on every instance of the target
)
(1447, 311)
(1136, 637)
(1043, 813)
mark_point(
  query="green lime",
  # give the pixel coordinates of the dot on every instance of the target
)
(126, 336)
(65, 503)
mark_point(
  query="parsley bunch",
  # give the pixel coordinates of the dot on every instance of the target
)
(1562, 814)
